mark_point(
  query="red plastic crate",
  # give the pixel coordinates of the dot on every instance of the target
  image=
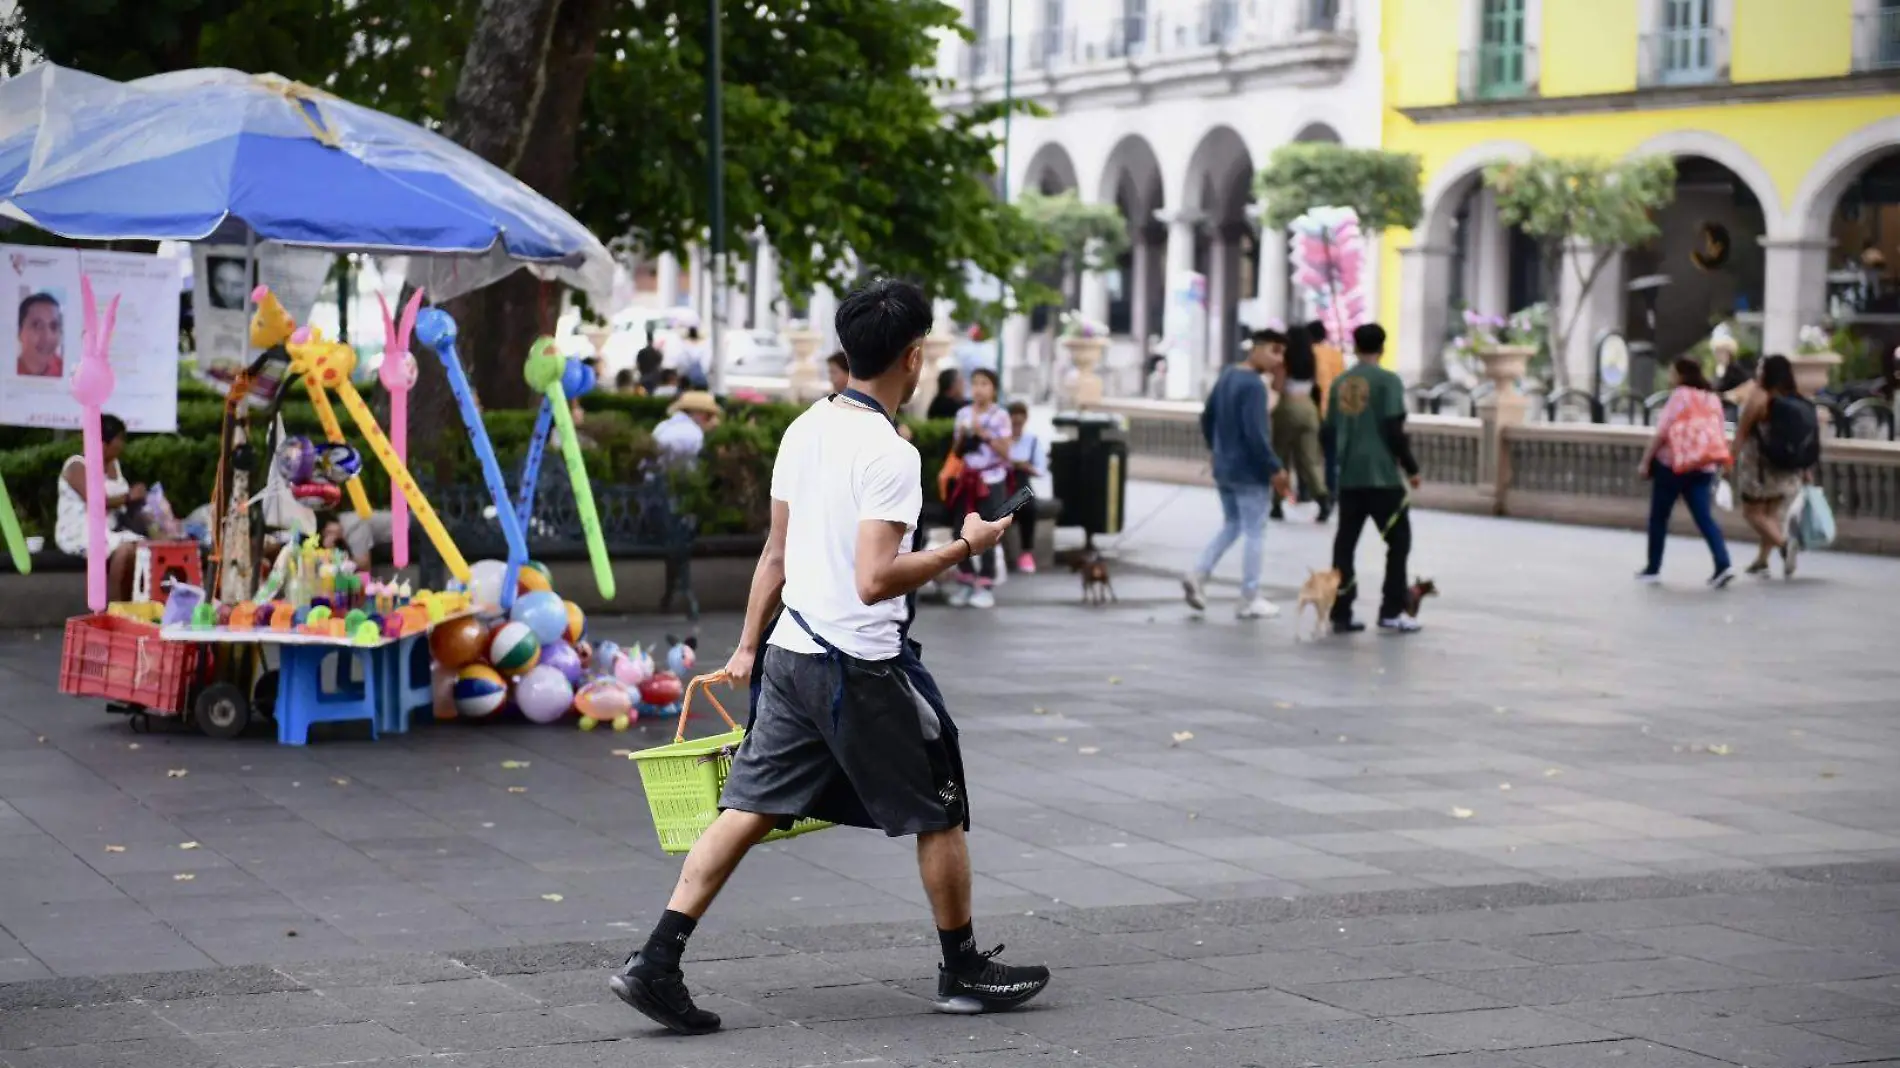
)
(120, 659)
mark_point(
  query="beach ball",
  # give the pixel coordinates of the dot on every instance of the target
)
(576, 621)
(457, 643)
(563, 658)
(534, 578)
(514, 649)
(484, 583)
(543, 612)
(479, 691)
(543, 694)
(662, 689)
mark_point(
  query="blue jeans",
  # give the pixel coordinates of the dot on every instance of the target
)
(1697, 489)
(1243, 509)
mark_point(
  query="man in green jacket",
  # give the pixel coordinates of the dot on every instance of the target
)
(1365, 411)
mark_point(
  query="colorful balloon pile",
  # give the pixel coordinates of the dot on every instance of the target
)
(537, 658)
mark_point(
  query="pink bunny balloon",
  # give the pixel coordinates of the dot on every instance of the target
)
(399, 374)
(92, 387)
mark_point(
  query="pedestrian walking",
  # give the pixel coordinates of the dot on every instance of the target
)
(1367, 415)
(1296, 422)
(982, 441)
(1246, 473)
(1028, 460)
(847, 725)
(1777, 445)
(1328, 364)
(1684, 458)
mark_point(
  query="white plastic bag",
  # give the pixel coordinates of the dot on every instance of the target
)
(1724, 495)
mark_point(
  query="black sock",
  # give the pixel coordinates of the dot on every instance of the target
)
(668, 940)
(959, 948)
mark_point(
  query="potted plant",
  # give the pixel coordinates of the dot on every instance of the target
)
(1504, 346)
(1086, 340)
(1814, 360)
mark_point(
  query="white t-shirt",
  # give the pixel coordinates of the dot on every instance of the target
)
(840, 465)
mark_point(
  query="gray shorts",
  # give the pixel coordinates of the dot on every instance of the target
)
(884, 762)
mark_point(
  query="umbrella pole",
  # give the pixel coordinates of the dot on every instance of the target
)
(716, 151)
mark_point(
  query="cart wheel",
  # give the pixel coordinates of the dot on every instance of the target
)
(264, 695)
(141, 723)
(221, 710)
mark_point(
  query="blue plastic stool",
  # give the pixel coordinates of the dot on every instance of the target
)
(302, 700)
(407, 675)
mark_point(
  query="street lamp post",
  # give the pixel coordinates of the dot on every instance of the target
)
(1009, 107)
(716, 175)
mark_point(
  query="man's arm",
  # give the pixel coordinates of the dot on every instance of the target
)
(885, 572)
(1393, 429)
(1207, 417)
(1255, 431)
(768, 588)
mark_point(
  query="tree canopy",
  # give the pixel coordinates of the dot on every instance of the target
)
(1383, 187)
(1564, 201)
(1074, 236)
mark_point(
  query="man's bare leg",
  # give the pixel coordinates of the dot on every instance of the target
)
(969, 982)
(651, 981)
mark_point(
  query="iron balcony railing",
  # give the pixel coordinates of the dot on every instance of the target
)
(1877, 40)
(1497, 71)
(1692, 55)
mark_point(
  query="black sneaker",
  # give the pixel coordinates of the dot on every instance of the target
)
(1277, 511)
(991, 987)
(1347, 626)
(661, 996)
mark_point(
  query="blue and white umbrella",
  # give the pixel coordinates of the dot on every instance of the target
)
(220, 155)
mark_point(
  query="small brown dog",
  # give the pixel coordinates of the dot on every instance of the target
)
(1320, 590)
(1415, 596)
(1096, 588)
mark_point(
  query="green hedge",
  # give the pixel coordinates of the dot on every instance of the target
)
(728, 492)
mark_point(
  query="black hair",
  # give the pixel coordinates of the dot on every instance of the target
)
(692, 333)
(837, 359)
(111, 428)
(946, 378)
(1369, 340)
(1301, 364)
(27, 304)
(625, 379)
(669, 376)
(878, 323)
(1269, 336)
(984, 372)
(1777, 375)
(1316, 331)
(1691, 373)
(1017, 407)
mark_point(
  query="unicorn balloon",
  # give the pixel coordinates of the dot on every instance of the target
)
(398, 375)
(1328, 255)
(92, 387)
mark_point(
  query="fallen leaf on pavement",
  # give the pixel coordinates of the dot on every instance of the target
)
(1183, 736)
(1283, 704)
(340, 781)
(1462, 813)
(1088, 750)
(1830, 774)
(115, 849)
(176, 773)
(187, 845)
(1504, 786)
(1114, 680)
(1500, 709)
(1720, 750)
(1039, 710)
(517, 789)
(552, 897)
(1551, 773)
(1059, 739)
(183, 877)
(623, 752)
(132, 745)
(513, 764)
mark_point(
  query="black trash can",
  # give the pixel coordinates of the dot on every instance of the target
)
(1088, 470)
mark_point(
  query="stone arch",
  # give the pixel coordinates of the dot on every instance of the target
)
(1050, 170)
(1133, 167)
(1219, 176)
(1319, 132)
(1451, 182)
(1812, 207)
(1133, 181)
(1739, 161)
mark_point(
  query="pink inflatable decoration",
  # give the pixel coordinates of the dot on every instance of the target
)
(1329, 254)
(92, 387)
(399, 375)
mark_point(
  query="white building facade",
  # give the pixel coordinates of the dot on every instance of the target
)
(1167, 109)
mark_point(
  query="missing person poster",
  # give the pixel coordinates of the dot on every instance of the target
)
(225, 275)
(41, 285)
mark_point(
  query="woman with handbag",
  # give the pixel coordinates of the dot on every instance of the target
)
(1685, 457)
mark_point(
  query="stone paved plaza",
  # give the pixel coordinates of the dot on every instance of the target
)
(1576, 822)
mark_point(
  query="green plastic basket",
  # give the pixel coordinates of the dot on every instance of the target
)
(683, 780)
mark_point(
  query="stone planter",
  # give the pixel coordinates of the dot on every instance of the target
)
(807, 379)
(937, 348)
(1086, 353)
(1505, 365)
(597, 336)
(1812, 369)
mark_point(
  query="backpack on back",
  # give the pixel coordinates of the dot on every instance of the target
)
(1790, 436)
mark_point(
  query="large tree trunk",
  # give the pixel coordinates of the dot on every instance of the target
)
(517, 105)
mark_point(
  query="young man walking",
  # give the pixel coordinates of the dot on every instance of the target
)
(1366, 414)
(847, 726)
(1246, 473)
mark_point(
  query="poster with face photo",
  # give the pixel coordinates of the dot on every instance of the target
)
(223, 278)
(41, 287)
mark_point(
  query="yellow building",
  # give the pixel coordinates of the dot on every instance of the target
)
(1783, 117)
